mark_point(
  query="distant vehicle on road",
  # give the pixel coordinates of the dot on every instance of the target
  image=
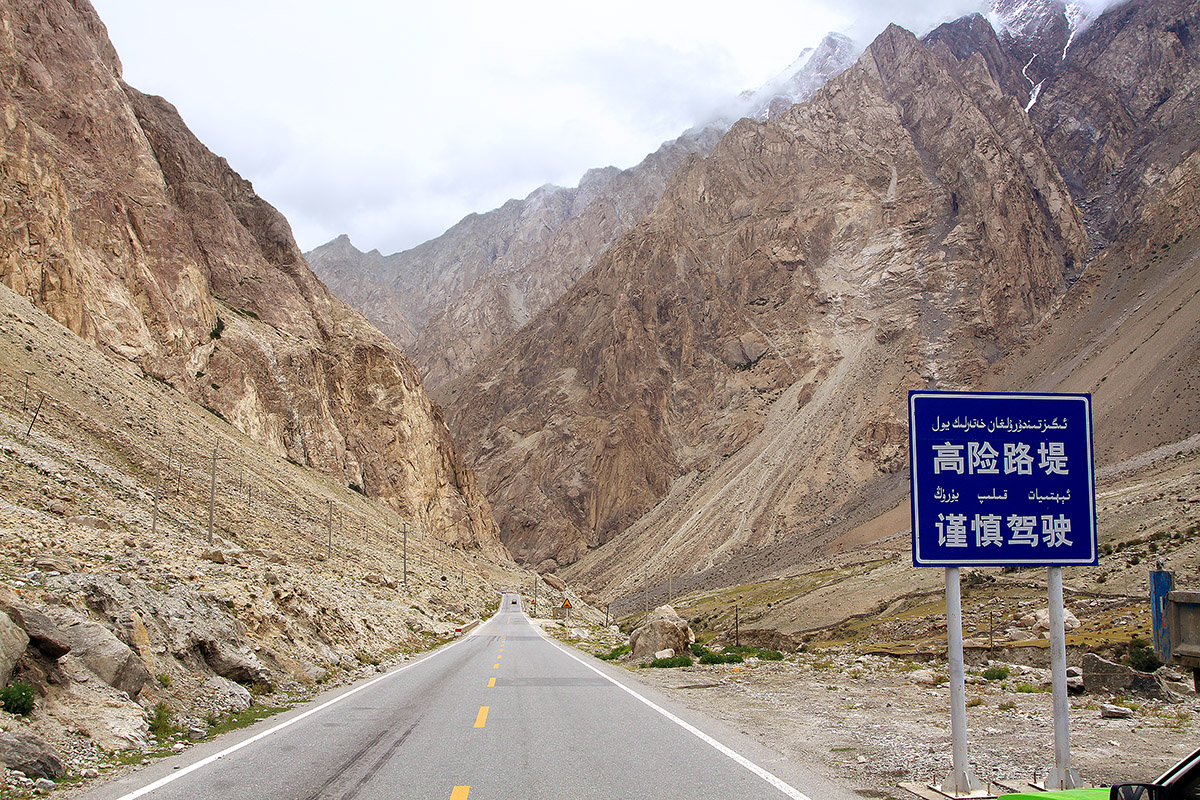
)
(1180, 782)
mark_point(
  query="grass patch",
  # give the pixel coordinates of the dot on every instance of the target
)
(1029, 688)
(996, 672)
(242, 719)
(974, 702)
(721, 658)
(707, 656)
(668, 663)
(613, 654)
(160, 721)
(762, 653)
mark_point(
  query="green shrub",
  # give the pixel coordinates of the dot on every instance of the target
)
(1029, 688)
(164, 680)
(996, 672)
(763, 653)
(18, 698)
(615, 653)
(215, 333)
(160, 721)
(1141, 656)
(666, 663)
(720, 658)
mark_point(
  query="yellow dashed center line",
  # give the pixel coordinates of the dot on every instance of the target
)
(495, 666)
(481, 719)
(491, 683)
(460, 793)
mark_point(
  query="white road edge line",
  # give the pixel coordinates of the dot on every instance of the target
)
(161, 782)
(735, 756)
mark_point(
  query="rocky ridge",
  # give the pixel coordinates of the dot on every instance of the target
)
(123, 227)
(786, 290)
(452, 300)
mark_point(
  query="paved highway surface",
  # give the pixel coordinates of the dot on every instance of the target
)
(501, 714)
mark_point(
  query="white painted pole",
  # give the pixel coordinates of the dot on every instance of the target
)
(961, 781)
(1062, 776)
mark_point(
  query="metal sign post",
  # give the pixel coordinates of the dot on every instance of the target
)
(961, 780)
(1062, 776)
(1002, 479)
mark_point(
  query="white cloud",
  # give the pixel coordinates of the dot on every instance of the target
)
(391, 121)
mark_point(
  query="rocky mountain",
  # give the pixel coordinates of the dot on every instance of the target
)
(726, 385)
(124, 228)
(453, 299)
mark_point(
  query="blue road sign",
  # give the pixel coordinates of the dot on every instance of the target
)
(1002, 479)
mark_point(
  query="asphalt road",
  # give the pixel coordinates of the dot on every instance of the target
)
(501, 714)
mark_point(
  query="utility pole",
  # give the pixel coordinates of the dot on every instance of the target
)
(35, 415)
(329, 526)
(606, 606)
(212, 495)
(154, 513)
(646, 587)
(669, 593)
(535, 583)
(406, 556)
(737, 641)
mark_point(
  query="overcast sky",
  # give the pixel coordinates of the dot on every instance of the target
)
(390, 121)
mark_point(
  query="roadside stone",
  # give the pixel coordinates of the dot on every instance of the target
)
(923, 677)
(1041, 625)
(56, 563)
(215, 556)
(382, 579)
(41, 630)
(667, 653)
(1106, 677)
(555, 582)
(31, 755)
(1110, 711)
(234, 662)
(269, 555)
(13, 642)
(89, 521)
(665, 629)
(227, 695)
(104, 654)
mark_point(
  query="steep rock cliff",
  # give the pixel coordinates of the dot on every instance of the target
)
(122, 226)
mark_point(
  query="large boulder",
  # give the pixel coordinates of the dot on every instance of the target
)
(662, 630)
(104, 654)
(41, 630)
(13, 642)
(29, 753)
(1107, 677)
(233, 661)
(1041, 622)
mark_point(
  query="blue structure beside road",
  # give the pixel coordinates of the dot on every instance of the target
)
(1002, 479)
